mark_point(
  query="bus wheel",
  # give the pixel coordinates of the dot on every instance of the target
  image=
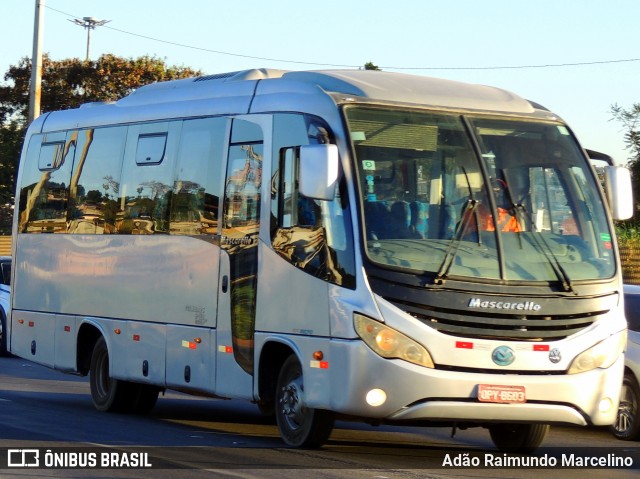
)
(144, 398)
(522, 438)
(627, 425)
(299, 425)
(108, 394)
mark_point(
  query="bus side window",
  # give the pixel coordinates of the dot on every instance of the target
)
(313, 235)
(43, 197)
(147, 178)
(197, 184)
(300, 237)
(244, 180)
(94, 191)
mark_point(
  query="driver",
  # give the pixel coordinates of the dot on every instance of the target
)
(507, 220)
(482, 219)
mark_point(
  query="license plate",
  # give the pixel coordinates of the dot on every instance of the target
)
(501, 394)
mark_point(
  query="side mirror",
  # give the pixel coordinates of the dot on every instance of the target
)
(617, 183)
(318, 173)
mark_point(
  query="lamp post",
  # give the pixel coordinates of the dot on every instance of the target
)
(89, 23)
(36, 63)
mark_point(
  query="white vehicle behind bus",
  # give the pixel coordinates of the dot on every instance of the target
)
(5, 291)
(365, 244)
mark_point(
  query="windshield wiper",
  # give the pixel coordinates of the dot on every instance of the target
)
(454, 244)
(544, 247)
(540, 241)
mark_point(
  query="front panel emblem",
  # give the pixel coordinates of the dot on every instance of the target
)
(555, 356)
(503, 356)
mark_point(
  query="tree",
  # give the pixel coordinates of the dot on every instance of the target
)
(371, 66)
(67, 84)
(11, 135)
(72, 82)
(630, 120)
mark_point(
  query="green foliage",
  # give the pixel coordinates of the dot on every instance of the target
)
(72, 82)
(66, 84)
(627, 233)
(629, 247)
(371, 66)
(630, 120)
(11, 136)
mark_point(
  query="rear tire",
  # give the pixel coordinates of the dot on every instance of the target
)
(108, 394)
(299, 425)
(521, 438)
(627, 425)
(145, 398)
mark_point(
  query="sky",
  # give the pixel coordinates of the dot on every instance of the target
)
(575, 57)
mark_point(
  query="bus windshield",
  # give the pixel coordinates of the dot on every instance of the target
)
(448, 195)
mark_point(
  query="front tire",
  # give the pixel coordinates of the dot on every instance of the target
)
(627, 425)
(521, 438)
(299, 425)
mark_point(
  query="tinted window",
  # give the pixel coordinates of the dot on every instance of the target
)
(95, 186)
(51, 155)
(151, 149)
(244, 179)
(46, 175)
(197, 186)
(147, 178)
(313, 235)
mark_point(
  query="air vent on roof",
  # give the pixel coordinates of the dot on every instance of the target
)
(92, 104)
(538, 105)
(252, 74)
(217, 76)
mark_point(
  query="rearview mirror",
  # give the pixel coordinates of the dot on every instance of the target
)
(617, 182)
(318, 172)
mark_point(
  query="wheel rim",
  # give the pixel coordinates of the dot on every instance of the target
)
(292, 404)
(626, 411)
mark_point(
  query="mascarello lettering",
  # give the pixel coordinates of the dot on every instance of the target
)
(502, 305)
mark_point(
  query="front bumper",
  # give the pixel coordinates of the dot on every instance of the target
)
(418, 393)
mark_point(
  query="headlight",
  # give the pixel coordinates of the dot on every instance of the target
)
(389, 343)
(602, 355)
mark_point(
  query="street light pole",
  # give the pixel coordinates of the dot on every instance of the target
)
(36, 63)
(89, 23)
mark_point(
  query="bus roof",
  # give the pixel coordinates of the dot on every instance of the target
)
(237, 92)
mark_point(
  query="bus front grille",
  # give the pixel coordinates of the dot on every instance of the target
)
(490, 325)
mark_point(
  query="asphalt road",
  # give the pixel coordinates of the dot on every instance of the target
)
(48, 416)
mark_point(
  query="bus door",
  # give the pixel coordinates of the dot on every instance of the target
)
(195, 217)
(239, 260)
